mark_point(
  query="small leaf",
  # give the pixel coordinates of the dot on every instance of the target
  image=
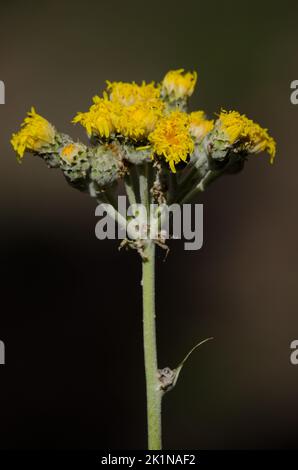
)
(179, 367)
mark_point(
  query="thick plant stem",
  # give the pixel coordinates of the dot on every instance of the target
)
(154, 393)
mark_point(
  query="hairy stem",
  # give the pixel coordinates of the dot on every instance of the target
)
(144, 192)
(132, 185)
(154, 393)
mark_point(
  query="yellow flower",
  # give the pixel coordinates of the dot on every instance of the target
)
(233, 124)
(139, 108)
(99, 120)
(199, 126)
(36, 132)
(171, 138)
(69, 152)
(251, 136)
(137, 121)
(127, 94)
(134, 121)
(178, 84)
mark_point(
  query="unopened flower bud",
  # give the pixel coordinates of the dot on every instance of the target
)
(74, 162)
(106, 166)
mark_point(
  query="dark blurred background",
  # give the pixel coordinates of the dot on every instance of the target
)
(71, 305)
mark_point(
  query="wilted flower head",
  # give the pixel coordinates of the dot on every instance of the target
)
(178, 84)
(36, 132)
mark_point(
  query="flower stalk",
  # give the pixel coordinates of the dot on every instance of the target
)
(153, 391)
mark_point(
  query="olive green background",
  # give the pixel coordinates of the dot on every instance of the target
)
(71, 305)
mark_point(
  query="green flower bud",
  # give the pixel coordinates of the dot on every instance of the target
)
(217, 144)
(74, 162)
(50, 153)
(106, 166)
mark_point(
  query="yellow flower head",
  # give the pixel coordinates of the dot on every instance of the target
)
(260, 140)
(36, 132)
(137, 121)
(100, 118)
(178, 84)
(70, 151)
(127, 94)
(233, 124)
(250, 135)
(171, 138)
(199, 126)
(139, 108)
(131, 110)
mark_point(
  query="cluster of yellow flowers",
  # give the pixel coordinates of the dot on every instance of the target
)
(149, 114)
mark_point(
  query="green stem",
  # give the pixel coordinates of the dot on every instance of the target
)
(210, 176)
(200, 187)
(132, 185)
(154, 393)
(189, 181)
(129, 190)
(144, 192)
(150, 176)
(173, 186)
